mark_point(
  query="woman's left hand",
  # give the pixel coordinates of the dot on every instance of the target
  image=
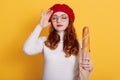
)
(85, 66)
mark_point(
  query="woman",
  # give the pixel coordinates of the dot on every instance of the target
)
(60, 48)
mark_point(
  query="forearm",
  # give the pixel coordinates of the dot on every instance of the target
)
(31, 42)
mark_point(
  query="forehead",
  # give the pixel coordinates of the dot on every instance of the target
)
(59, 14)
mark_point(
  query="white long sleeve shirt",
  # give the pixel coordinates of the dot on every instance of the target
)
(57, 66)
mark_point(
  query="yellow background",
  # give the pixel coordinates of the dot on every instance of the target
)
(18, 18)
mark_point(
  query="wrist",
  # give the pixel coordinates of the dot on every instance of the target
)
(39, 25)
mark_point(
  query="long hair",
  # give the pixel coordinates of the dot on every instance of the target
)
(70, 42)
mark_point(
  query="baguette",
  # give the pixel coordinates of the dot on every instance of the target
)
(84, 55)
(85, 40)
(85, 52)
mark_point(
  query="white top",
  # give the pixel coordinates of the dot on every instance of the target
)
(57, 66)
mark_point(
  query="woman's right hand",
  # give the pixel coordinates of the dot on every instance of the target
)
(45, 16)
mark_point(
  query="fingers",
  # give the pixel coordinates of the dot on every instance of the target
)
(46, 15)
(42, 12)
(49, 13)
(86, 64)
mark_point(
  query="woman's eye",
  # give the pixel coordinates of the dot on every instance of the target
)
(54, 18)
(64, 17)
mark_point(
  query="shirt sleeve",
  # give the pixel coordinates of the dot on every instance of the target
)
(34, 44)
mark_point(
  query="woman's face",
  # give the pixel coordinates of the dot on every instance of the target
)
(60, 21)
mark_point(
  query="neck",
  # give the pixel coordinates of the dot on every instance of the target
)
(61, 33)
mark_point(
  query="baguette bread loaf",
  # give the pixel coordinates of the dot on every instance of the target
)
(85, 40)
(84, 55)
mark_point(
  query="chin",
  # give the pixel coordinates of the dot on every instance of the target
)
(60, 30)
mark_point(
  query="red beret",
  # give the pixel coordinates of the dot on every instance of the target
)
(63, 8)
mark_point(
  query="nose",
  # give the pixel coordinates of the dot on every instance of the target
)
(59, 20)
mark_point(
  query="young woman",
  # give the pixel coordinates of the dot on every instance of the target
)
(60, 48)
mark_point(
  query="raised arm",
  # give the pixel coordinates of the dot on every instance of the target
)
(34, 44)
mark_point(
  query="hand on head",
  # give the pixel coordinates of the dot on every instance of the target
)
(45, 16)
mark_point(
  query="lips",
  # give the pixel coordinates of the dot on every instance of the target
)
(59, 25)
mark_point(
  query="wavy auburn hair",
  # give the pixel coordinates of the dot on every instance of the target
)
(70, 42)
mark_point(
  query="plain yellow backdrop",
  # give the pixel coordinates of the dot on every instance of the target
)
(18, 18)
